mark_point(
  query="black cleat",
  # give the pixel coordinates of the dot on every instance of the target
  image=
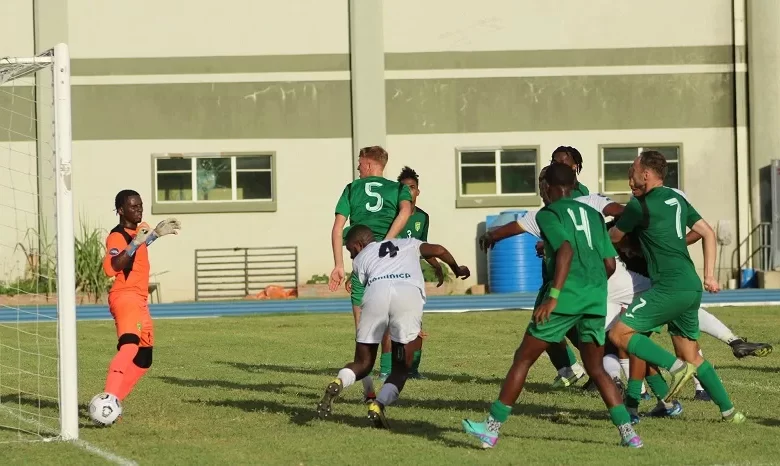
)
(589, 386)
(702, 395)
(325, 406)
(376, 414)
(741, 348)
(620, 386)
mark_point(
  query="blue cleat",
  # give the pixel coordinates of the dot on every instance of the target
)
(662, 411)
(481, 432)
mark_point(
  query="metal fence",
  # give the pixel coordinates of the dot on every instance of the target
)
(232, 273)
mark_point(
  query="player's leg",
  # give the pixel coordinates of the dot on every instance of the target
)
(143, 359)
(127, 317)
(356, 295)
(414, 371)
(404, 324)
(591, 331)
(685, 333)
(611, 361)
(537, 339)
(386, 359)
(660, 389)
(711, 325)
(646, 313)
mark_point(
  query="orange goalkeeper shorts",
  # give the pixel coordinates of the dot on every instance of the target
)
(131, 315)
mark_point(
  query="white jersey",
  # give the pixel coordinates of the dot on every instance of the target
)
(597, 201)
(393, 261)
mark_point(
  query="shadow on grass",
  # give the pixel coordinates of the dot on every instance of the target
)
(746, 367)
(36, 403)
(432, 376)
(208, 383)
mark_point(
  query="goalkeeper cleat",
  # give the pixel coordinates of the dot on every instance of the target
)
(376, 414)
(480, 431)
(741, 348)
(325, 406)
(678, 379)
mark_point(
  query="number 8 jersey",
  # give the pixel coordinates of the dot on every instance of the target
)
(373, 201)
(389, 263)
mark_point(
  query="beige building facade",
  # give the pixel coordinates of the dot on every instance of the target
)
(242, 117)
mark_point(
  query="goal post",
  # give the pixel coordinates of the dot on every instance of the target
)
(38, 353)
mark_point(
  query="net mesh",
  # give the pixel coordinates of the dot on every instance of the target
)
(28, 260)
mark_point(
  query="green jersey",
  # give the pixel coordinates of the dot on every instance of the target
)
(579, 190)
(582, 226)
(417, 226)
(373, 202)
(659, 219)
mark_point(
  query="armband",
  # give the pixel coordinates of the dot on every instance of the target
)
(554, 293)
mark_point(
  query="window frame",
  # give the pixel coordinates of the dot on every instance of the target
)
(195, 206)
(624, 196)
(498, 199)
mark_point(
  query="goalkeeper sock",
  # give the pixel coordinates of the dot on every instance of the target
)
(118, 368)
(132, 376)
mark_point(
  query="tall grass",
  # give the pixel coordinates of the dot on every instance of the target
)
(40, 276)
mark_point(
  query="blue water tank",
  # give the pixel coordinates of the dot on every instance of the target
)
(512, 263)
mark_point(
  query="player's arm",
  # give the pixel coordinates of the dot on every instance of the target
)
(437, 251)
(405, 210)
(628, 221)
(608, 252)
(692, 237)
(432, 261)
(494, 235)
(709, 247)
(119, 254)
(343, 210)
(613, 209)
(554, 234)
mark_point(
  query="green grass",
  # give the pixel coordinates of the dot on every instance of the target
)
(243, 391)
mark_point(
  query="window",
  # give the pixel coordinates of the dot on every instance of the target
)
(502, 177)
(616, 160)
(221, 182)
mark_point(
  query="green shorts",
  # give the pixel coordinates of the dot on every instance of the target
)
(589, 327)
(358, 290)
(655, 308)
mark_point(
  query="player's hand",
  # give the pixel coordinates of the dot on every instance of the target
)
(348, 286)
(336, 277)
(486, 241)
(540, 249)
(542, 313)
(439, 276)
(142, 234)
(423, 334)
(462, 272)
(711, 285)
(167, 227)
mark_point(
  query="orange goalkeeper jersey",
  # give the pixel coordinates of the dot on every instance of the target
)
(135, 277)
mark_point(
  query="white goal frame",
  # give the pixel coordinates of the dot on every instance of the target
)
(58, 61)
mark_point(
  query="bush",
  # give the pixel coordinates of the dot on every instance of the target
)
(318, 280)
(430, 276)
(90, 250)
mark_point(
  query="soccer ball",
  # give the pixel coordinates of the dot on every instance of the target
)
(104, 409)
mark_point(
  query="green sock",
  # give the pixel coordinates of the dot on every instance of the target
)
(633, 392)
(499, 411)
(714, 387)
(385, 363)
(658, 385)
(619, 415)
(644, 348)
(416, 361)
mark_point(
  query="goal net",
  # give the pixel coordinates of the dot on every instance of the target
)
(38, 377)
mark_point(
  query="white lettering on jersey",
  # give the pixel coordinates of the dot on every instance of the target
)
(396, 260)
(597, 201)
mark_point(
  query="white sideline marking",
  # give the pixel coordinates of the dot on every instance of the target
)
(84, 445)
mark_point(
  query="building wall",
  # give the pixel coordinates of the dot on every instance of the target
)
(493, 73)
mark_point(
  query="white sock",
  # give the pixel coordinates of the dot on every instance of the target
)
(347, 377)
(696, 380)
(565, 372)
(644, 389)
(710, 325)
(624, 366)
(577, 369)
(678, 364)
(388, 394)
(612, 366)
(368, 385)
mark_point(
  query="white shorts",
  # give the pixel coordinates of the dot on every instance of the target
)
(623, 286)
(397, 306)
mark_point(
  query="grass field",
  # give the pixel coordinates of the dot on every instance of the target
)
(243, 391)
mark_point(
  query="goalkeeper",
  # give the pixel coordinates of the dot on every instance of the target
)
(127, 259)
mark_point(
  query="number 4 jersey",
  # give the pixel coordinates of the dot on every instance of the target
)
(390, 262)
(373, 201)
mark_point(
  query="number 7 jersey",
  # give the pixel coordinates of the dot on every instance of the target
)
(390, 262)
(373, 201)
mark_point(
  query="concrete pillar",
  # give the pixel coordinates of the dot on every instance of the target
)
(763, 48)
(741, 133)
(367, 63)
(50, 25)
